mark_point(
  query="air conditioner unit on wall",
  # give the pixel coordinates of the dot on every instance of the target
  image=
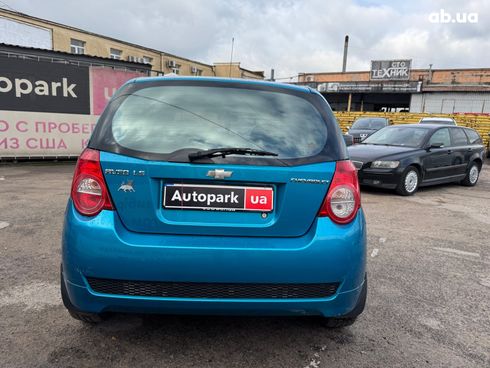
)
(171, 64)
(141, 60)
(193, 69)
(132, 58)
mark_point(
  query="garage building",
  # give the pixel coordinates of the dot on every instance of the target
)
(445, 91)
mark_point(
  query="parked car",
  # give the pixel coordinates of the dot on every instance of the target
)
(488, 146)
(406, 157)
(215, 196)
(439, 121)
(364, 127)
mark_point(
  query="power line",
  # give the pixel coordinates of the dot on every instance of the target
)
(5, 5)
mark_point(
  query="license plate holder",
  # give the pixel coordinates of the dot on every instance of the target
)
(218, 198)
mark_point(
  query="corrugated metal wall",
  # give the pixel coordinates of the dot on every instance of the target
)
(450, 102)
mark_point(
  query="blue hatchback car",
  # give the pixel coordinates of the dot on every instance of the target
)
(215, 196)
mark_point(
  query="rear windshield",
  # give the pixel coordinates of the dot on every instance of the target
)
(369, 123)
(165, 119)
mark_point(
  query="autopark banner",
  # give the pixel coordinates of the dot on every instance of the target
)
(41, 134)
(50, 109)
(105, 83)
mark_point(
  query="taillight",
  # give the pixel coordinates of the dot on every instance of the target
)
(88, 189)
(343, 198)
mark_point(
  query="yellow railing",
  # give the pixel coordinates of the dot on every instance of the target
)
(481, 123)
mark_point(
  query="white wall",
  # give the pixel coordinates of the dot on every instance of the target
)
(450, 102)
(22, 34)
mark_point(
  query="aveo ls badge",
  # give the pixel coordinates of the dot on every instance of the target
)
(218, 198)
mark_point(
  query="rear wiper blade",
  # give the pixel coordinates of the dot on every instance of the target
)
(223, 152)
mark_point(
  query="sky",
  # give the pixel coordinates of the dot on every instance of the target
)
(288, 35)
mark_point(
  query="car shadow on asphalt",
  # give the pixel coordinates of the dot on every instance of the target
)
(212, 341)
(233, 327)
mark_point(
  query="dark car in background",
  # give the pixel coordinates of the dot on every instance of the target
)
(488, 146)
(364, 127)
(438, 121)
(406, 157)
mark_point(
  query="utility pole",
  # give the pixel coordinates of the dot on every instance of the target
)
(346, 47)
(231, 56)
(344, 67)
(272, 76)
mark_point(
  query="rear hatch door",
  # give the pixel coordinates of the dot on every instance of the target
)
(253, 201)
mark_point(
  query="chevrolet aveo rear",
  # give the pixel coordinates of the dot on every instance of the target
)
(211, 196)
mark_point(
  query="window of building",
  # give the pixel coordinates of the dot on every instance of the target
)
(77, 46)
(173, 66)
(147, 60)
(196, 71)
(115, 54)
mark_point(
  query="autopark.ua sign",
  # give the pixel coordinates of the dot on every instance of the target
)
(390, 69)
(50, 109)
(28, 85)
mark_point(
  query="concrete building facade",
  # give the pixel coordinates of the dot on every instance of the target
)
(28, 31)
(445, 91)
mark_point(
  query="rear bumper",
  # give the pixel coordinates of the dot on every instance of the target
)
(87, 301)
(101, 247)
(379, 178)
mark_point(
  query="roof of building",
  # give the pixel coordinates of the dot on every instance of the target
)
(98, 35)
(164, 53)
(51, 54)
(412, 70)
(238, 64)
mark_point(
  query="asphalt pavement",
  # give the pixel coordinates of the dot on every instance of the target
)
(428, 302)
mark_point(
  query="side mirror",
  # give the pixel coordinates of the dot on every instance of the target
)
(348, 139)
(435, 145)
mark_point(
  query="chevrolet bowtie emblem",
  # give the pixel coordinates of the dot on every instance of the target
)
(219, 174)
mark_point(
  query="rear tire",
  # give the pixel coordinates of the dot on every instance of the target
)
(90, 318)
(472, 175)
(350, 318)
(409, 182)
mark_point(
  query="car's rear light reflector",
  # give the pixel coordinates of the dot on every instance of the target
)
(343, 198)
(89, 191)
